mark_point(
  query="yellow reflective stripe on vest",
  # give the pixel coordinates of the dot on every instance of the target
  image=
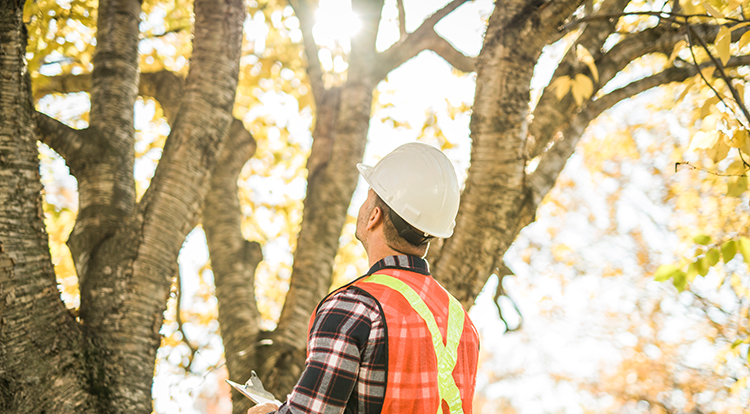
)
(446, 354)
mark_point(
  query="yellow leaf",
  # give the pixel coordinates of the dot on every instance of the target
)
(584, 56)
(677, 48)
(708, 72)
(735, 187)
(723, 41)
(688, 85)
(561, 86)
(736, 168)
(582, 88)
(712, 11)
(712, 122)
(719, 151)
(704, 140)
(746, 148)
(733, 4)
(739, 26)
(744, 40)
(744, 248)
(739, 139)
(688, 7)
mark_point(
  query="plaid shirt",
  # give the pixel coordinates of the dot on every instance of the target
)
(346, 364)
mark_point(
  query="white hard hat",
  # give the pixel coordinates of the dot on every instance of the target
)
(419, 183)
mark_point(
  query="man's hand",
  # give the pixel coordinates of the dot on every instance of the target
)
(263, 408)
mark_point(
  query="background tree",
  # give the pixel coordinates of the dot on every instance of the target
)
(126, 237)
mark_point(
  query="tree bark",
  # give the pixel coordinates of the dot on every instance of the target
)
(332, 178)
(39, 340)
(233, 260)
(106, 187)
(125, 257)
(495, 188)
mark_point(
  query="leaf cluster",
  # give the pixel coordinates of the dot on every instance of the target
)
(706, 256)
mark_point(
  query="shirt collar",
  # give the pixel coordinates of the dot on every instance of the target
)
(402, 261)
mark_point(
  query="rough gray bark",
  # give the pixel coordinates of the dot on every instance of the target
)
(125, 254)
(38, 338)
(234, 260)
(331, 184)
(495, 187)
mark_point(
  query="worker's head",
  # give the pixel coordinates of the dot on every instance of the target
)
(414, 197)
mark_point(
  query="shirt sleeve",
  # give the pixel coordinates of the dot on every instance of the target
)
(338, 339)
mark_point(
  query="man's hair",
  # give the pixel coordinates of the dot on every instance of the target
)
(392, 238)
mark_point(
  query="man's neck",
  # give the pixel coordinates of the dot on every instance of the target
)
(379, 252)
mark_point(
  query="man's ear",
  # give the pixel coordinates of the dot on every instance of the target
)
(376, 217)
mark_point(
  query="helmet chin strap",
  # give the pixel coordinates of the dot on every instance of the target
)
(406, 231)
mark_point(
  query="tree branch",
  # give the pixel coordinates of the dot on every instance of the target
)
(401, 19)
(165, 86)
(233, 259)
(553, 161)
(339, 142)
(550, 112)
(549, 107)
(720, 68)
(430, 22)
(178, 319)
(66, 141)
(46, 85)
(673, 74)
(451, 55)
(421, 39)
(168, 210)
(303, 11)
(115, 75)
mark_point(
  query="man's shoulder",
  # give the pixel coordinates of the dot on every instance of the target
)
(351, 299)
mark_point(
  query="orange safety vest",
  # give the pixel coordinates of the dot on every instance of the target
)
(432, 344)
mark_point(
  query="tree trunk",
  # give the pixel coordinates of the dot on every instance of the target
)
(495, 190)
(39, 339)
(339, 143)
(125, 256)
(233, 260)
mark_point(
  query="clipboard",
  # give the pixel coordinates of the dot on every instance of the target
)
(253, 389)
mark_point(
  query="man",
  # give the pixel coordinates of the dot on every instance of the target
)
(393, 341)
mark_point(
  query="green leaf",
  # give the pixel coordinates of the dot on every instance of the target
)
(702, 239)
(737, 186)
(665, 272)
(712, 256)
(702, 266)
(728, 250)
(744, 248)
(680, 281)
(692, 272)
(736, 342)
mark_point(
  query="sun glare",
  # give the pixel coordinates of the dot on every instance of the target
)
(335, 24)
